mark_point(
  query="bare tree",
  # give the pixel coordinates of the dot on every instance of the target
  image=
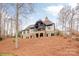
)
(3, 9)
(70, 16)
(77, 16)
(0, 17)
(71, 21)
(21, 9)
(0, 24)
(3, 18)
(64, 16)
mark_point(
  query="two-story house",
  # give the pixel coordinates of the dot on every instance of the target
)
(40, 29)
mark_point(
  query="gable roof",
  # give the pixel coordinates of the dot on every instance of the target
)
(47, 21)
(30, 27)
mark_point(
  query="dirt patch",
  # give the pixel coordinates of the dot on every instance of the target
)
(46, 46)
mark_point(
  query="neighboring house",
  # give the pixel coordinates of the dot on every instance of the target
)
(39, 29)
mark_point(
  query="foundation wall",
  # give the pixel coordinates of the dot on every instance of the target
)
(38, 34)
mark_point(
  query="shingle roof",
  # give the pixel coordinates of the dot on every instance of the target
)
(47, 21)
(30, 26)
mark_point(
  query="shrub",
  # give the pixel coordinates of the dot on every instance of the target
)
(52, 34)
(14, 40)
(59, 33)
(77, 39)
(0, 38)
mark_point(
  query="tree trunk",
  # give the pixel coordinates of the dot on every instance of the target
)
(0, 24)
(11, 29)
(71, 28)
(65, 29)
(4, 29)
(17, 25)
(77, 25)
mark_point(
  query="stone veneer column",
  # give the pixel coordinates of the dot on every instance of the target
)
(29, 36)
(38, 35)
(43, 33)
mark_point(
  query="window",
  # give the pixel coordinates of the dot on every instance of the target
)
(52, 34)
(47, 35)
(48, 27)
(27, 37)
(37, 35)
(24, 32)
(41, 34)
(31, 36)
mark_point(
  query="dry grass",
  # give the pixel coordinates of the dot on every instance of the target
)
(7, 54)
(46, 46)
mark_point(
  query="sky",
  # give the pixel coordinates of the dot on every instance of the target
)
(40, 1)
(41, 10)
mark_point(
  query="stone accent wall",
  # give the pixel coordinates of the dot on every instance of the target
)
(49, 31)
(38, 34)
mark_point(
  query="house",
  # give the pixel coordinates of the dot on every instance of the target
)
(40, 29)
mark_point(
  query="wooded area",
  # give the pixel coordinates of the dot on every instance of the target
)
(11, 22)
(45, 37)
(69, 19)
